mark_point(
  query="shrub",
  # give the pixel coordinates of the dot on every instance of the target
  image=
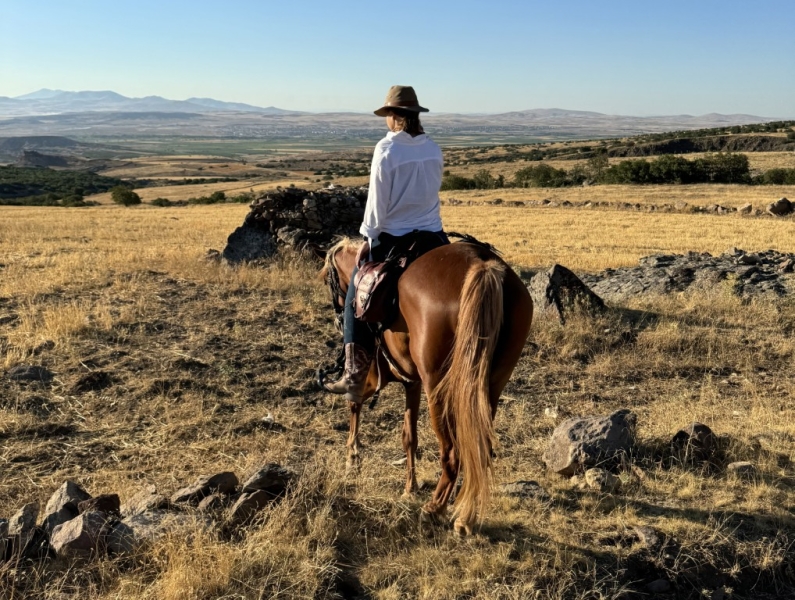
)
(541, 175)
(161, 202)
(124, 195)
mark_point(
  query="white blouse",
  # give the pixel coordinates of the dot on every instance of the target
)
(405, 178)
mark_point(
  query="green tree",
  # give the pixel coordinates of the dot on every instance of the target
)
(597, 165)
(124, 195)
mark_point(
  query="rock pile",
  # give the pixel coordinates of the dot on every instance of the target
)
(295, 217)
(744, 273)
(779, 208)
(77, 525)
(557, 292)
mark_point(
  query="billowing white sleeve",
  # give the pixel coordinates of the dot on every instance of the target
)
(378, 196)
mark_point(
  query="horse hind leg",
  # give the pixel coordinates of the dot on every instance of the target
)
(437, 505)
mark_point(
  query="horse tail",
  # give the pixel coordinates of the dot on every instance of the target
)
(464, 389)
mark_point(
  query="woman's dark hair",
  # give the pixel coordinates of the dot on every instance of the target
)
(409, 121)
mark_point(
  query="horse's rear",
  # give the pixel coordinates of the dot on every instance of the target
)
(465, 316)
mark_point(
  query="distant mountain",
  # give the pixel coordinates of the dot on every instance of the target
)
(54, 102)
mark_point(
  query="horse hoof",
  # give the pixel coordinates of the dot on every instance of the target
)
(461, 528)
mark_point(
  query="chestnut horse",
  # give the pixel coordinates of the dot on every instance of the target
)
(464, 317)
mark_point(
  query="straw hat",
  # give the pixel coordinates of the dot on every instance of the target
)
(400, 96)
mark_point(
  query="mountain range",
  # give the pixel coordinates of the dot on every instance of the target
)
(107, 113)
(53, 102)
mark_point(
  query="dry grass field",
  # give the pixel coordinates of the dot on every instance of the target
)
(197, 354)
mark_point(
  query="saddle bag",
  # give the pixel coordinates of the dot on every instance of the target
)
(375, 283)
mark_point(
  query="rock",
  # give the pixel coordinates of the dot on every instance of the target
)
(29, 373)
(745, 209)
(3, 537)
(662, 274)
(35, 545)
(604, 481)
(696, 442)
(249, 243)
(583, 442)
(786, 266)
(271, 478)
(525, 489)
(212, 503)
(107, 504)
(146, 499)
(649, 537)
(80, 537)
(121, 540)
(224, 483)
(558, 291)
(742, 469)
(91, 382)
(24, 520)
(659, 586)
(780, 208)
(62, 505)
(248, 505)
(148, 527)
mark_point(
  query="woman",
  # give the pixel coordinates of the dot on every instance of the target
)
(403, 198)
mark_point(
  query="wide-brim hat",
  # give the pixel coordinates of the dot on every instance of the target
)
(400, 96)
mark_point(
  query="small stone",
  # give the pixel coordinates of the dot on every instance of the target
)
(742, 468)
(29, 373)
(248, 505)
(649, 537)
(212, 503)
(745, 209)
(24, 520)
(107, 504)
(224, 483)
(79, 537)
(3, 536)
(658, 586)
(604, 481)
(525, 489)
(146, 499)
(272, 478)
(696, 442)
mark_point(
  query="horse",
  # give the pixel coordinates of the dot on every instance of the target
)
(463, 319)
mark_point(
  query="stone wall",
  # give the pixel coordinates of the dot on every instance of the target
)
(296, 217)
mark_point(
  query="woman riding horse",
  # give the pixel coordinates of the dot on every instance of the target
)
(403, 198)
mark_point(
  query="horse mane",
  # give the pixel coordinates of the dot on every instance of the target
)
(331, 255)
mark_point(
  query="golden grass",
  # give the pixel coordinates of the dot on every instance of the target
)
(128, 292)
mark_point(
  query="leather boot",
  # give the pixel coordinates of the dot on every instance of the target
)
(357, 366)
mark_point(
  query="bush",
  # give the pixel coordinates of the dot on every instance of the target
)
(124, 195)
(457, 182)
(777, 177)
(161, 202)
(541, 176)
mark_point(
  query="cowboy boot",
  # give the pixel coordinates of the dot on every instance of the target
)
(357, 366)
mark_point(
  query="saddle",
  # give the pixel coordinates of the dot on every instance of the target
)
(376, 283)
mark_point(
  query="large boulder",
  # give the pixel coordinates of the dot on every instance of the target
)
(780, 208)
(557, 292)
(62, 505)
(583, 442)
(107, 504)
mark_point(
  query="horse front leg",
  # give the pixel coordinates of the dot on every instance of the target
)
(413, 395)
(353, 460)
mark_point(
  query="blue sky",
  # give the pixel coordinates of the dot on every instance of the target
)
(619, 57)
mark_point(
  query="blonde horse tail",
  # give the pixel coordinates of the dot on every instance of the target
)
(464, 389)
